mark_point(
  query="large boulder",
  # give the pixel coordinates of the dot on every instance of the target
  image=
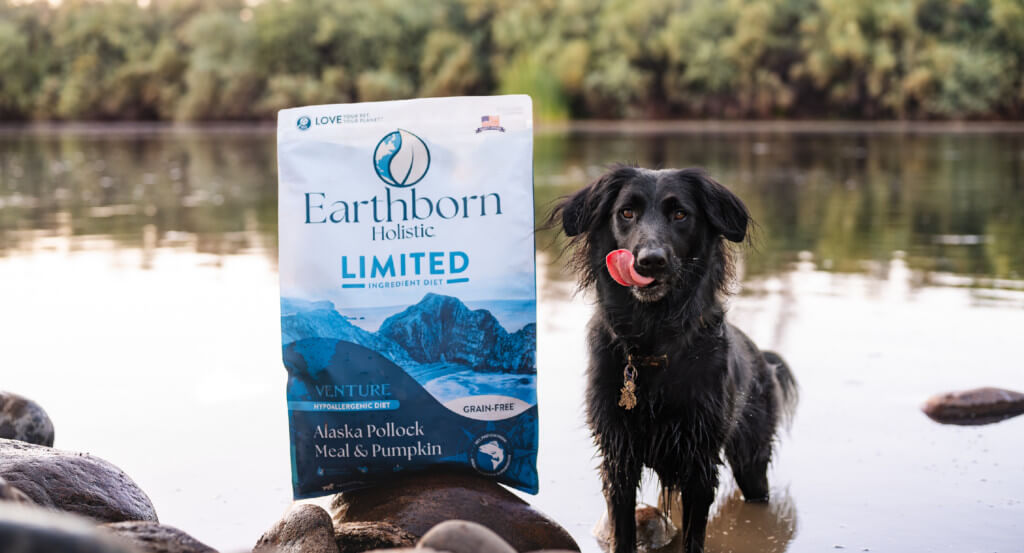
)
(978, 406)
(417, 502)
(305, 528)
(74, 482)
(23, 419)
(153, 537)
(28, 529)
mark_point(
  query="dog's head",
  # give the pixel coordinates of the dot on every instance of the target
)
(670, 220)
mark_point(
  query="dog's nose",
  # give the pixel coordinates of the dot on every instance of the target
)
(651, 259)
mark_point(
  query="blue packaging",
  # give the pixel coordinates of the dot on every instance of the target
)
(408, 291)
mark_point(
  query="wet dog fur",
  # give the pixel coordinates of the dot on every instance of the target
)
(717, 392)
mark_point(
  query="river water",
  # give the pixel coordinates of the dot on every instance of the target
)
(139, 306)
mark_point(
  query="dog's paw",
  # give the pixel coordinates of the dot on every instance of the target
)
(654, 529)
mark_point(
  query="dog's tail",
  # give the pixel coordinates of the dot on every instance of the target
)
(789, 390)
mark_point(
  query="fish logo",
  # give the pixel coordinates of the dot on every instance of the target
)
(493, 452)
(401, 159)
(490, 454)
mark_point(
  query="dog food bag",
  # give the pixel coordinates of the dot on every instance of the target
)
(408, 292)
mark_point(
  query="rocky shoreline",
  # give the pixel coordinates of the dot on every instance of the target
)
(53, 500)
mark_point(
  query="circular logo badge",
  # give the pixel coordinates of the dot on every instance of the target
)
(303, 123)
(401, 158)
(491, 454)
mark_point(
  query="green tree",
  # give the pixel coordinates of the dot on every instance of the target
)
(226, 59)
(223, 80)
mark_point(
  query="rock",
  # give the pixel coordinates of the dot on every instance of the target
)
(74, 482)
(153, 537)
(23, 419)
(654, 529)
(305, 528)
(462, 536)
(28, 529)
(354, 537)
(10, 493)
(419, 501)
(978, 406)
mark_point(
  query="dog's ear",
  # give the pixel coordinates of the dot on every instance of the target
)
(725, 211)
(577, 211)
(588, 205)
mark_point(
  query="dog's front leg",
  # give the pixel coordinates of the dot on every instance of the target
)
(621, 475)
(698, 492)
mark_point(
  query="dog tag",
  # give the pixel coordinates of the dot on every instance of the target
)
(627, 396)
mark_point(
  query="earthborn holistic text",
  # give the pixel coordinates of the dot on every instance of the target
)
(408, 303)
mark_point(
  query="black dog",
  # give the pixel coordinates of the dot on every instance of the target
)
(670, 383)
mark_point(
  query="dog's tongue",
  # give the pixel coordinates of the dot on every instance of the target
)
(620, 266)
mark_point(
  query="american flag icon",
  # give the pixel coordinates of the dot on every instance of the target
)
(490, 121)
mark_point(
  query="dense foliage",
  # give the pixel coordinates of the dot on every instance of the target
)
(225, 59)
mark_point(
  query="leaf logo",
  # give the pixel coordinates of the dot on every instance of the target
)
(401, 158)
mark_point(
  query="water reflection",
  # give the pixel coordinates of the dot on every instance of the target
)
(212, 191)
(949, 201)
(741, 527)
(736, 526)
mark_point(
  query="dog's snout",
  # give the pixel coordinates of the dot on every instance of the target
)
(652, 259)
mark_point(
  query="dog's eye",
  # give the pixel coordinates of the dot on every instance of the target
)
(626, 213)
(679, 215)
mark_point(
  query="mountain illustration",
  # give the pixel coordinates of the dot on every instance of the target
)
(323, 321)
(516, 352)
(438, 329)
